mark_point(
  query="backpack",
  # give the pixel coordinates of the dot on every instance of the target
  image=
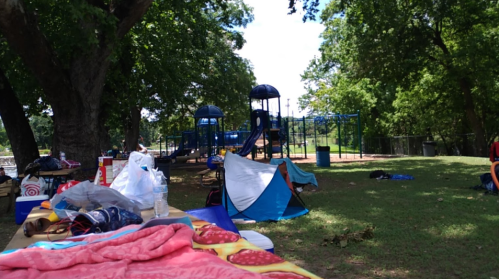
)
(379, 174)
(48, 163)
(214, 198)
(488, 184)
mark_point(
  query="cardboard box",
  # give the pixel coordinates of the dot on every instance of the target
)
(25, 204)
(105, 171)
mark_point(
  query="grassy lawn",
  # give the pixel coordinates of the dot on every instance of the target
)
(430, 227)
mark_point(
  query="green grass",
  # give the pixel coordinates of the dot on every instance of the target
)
(415, 236)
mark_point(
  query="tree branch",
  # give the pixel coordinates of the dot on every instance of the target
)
(24, 36)
(99, 4)
(128, 13)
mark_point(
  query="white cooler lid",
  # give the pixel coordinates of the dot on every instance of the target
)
(257, 239)
(32, 198)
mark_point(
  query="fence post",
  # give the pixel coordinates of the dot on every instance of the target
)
(360, 133)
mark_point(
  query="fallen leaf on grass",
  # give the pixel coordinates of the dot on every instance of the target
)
(298, 240)
(329, 222)
(343, 239)
(440, 199)
(469, 198)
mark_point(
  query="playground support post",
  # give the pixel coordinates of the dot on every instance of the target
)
(304, 136)
(359, 130)
(286, 127)
(338, 124)
(315, 135)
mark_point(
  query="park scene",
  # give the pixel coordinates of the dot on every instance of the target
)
(249, 139)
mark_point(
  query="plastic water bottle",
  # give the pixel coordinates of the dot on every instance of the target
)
(161, 199)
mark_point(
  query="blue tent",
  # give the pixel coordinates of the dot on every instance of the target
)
(257, 191)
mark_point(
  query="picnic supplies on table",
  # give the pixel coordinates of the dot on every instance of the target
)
(103, 220)
(33, 186)
(48, 163)
(88, 196)
(137, 180)
(70, 164)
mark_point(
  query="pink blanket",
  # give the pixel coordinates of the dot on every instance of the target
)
(155, 252)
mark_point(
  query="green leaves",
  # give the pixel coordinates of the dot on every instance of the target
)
(421, 56)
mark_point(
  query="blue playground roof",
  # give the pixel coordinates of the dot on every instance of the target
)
(209, 111)
(204, 121)
(264, 91)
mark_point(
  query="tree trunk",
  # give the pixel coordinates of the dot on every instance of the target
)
(17, 126)
(73, 94)
(476, 125)
(132, 126)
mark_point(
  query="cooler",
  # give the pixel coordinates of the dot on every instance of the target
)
(25, 204)
(258, 240)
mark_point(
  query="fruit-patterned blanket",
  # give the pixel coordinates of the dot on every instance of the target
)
(230, 247)
(173, 251)
(155, 252)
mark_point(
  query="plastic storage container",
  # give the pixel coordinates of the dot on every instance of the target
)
(258, 240)
(25, 204)
(322, 153)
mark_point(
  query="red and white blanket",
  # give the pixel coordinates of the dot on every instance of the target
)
(155, 252)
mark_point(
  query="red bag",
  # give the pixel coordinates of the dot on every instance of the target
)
(65, 186)
(70, 164)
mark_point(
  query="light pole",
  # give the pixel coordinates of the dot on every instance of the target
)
(288, 107)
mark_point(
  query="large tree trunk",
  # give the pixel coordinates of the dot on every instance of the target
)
(17, 126)
(469, 105)
(131, 127)
(73, 94)
(476, 125)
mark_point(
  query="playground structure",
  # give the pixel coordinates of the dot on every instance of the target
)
(319, 128)
(265, 132)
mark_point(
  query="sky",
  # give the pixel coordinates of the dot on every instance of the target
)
(280, 47)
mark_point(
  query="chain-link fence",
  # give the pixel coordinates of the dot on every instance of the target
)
(463, 144)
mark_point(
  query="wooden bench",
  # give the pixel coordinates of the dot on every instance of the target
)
(207, 182)
(9, 189)
(184, 159)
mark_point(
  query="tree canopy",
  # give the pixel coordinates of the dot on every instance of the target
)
(411, 65)
(90, 62)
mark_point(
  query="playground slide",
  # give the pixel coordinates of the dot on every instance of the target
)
(176, 152)
(250, 141)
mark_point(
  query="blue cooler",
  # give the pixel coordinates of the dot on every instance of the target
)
(25, 204)
(258, 240)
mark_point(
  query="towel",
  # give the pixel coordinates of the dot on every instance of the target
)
(295, 173)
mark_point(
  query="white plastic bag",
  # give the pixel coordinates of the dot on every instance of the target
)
(32, 186)
(136, 183)
(87, 196)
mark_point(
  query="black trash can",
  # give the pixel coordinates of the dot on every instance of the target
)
(429, 148)
(322, 153)
(163, 164)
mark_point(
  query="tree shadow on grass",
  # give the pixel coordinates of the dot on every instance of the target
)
(430, 227)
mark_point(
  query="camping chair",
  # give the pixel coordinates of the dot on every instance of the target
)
(219, 216)
(283, 169)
